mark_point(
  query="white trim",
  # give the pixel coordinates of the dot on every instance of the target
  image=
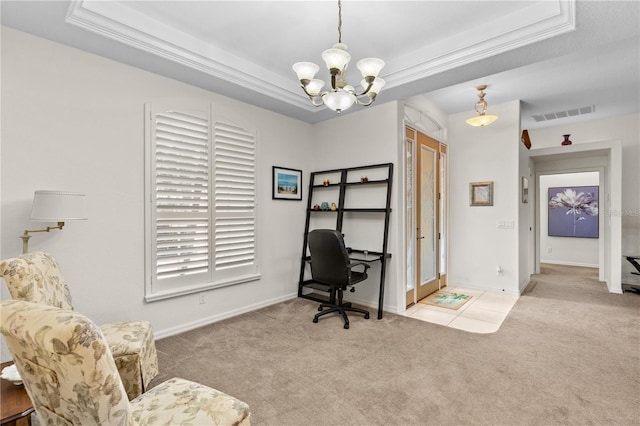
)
(562, 262)
(171, 331)
(117, 21)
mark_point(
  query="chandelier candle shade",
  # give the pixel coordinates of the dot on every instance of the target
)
(482, 119)
(342, 95)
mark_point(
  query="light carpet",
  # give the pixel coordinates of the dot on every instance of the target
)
(566, 355)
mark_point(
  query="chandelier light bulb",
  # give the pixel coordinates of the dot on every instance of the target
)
(370, 67)
(305, 70)
(314, 87)
(337, 57)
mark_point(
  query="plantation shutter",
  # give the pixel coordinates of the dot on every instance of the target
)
(234, 201)
(182, 230)
(201, 209)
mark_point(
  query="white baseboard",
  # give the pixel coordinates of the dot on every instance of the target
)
(159, 334)
(560, 262)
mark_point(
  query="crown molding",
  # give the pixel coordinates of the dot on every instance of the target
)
(116, 21)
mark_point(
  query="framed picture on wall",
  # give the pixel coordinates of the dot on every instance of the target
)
(286, 184)
(573, 211)
(481, 194)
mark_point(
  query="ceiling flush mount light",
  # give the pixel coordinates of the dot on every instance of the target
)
(54, 206)
(482, 119)
(342, 95)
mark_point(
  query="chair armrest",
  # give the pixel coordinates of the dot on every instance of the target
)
(354, 264)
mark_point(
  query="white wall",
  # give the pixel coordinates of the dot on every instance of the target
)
(566, 250)
(477, 246)
(627, 130)
(368, 136)
(74, 121)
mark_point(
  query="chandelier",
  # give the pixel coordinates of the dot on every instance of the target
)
(342, 95)
(482, 119)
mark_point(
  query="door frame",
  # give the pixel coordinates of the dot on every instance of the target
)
(412, 251)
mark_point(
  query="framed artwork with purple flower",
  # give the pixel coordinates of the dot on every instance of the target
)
(573, 211)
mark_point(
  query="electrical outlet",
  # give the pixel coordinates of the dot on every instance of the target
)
(201, 298)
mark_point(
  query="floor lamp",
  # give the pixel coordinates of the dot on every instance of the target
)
(54, 206)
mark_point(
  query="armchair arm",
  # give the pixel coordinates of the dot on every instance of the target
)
(354, 264)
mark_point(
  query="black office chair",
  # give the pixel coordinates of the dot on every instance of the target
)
(330, 265)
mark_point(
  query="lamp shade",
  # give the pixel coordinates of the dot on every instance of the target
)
(314, 86)
(481, 120)
(337, 57)
(305, 70)
(370, 67)
(58, 206)
(339, 100)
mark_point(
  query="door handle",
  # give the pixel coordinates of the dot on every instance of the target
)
(421, 238)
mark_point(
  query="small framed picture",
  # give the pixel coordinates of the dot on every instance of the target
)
(481, 194)
(525, 190)
(287, 184)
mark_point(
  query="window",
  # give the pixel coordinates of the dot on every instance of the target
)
(201, 202)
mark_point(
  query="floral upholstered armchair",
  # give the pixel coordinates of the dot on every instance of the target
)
(72, 379)
(36, 277)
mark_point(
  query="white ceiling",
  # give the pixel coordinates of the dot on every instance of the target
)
(553, 55)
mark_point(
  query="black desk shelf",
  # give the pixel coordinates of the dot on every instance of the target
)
(344, 183)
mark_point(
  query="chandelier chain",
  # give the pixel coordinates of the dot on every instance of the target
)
(339, 21)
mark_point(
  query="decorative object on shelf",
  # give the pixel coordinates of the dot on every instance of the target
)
(526, 141)
(364, 179)
(573, 211)
(566, 140)
(342, 95)
(334, 207)
(482, 119)
(326, 182)
(525, 190)
(316, 207)
(481, 194)
(287, 184)
(54, 206)
(324, 206)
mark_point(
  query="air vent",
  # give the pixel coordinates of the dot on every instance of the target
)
(564, 114)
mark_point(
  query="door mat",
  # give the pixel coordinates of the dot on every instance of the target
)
(447, 300)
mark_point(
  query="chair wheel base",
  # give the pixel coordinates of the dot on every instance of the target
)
(366, 316)
(346, 326)
(315, 320)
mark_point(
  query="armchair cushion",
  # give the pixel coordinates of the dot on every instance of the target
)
(36, 277)
(188, 402)
(134, 352)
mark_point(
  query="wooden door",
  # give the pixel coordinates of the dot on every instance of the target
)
(427, 272)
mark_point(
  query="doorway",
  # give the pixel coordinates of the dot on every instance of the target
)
(426, 173)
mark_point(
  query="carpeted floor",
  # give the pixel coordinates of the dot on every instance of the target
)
(568, 354)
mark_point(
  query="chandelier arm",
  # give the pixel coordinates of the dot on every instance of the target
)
(371, 97)
(365, 91)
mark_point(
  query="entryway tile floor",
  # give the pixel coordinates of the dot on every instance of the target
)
(484, 313)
